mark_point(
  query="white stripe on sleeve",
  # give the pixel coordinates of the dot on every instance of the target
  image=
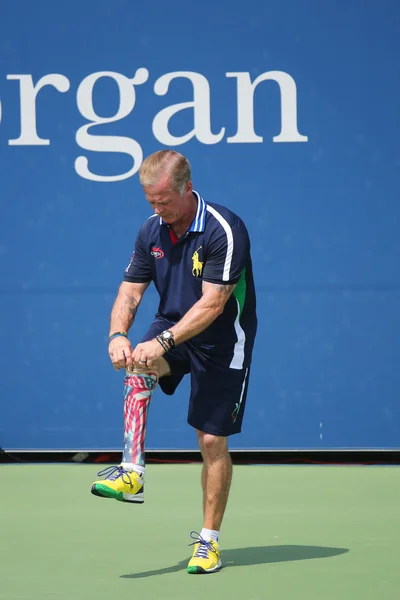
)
(229, 237)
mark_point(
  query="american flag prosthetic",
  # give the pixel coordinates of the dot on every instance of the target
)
(138, 389)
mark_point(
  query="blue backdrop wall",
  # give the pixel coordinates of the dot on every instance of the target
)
(289, 113)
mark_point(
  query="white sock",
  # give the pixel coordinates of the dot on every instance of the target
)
(139, 469)
(209, 534)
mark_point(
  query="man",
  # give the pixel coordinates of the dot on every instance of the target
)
(198, 256)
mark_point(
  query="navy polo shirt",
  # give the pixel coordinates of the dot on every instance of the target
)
(216, 248)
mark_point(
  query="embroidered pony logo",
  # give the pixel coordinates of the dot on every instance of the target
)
(197, 264)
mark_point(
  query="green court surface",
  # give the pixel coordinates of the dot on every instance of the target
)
(290, 533)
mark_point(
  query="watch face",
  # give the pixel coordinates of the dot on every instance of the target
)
(167, 335)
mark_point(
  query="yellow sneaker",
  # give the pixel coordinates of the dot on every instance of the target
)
(206, 555)
(125, 486)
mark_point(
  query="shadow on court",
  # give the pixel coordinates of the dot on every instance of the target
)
(258, 555)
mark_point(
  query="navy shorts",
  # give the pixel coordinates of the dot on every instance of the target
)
(218, 393)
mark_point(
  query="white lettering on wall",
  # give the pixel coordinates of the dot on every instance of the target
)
(201, 111)
(28, 93)
(199, 105)
(245, 108)
(108, 143)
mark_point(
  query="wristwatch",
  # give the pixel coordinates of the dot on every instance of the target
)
(166, 339)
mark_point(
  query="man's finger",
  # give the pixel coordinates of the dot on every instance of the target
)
(121, 358)
(128, 360)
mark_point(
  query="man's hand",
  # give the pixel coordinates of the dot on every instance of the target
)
(120, 351)
(145, 355)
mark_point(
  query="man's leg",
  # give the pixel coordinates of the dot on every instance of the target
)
(138, 390)
(125, 482)
(217, 404)
(216, 478)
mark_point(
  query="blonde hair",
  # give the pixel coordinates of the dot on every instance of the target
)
(174, 165)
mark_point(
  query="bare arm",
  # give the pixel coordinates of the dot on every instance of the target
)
(122, 316)
(125, 306)
(204, 312)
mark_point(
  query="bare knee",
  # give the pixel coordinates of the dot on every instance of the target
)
(212, 447)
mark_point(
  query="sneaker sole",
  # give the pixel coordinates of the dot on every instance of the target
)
(105, 492)
(201, 571)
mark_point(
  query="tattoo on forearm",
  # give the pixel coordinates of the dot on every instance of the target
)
(132, 305)
(125, 310)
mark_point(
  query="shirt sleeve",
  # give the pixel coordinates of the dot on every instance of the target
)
(227, 254)
(138, 269)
